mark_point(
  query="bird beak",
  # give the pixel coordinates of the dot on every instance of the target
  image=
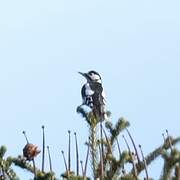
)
(83, 74)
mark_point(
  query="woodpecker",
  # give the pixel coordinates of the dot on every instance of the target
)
(93, 94)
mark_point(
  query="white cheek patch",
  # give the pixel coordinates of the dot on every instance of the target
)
(95, 77)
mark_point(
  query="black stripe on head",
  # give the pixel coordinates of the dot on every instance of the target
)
(94, 73)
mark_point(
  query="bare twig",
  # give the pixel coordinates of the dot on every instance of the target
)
(102, 150)
(50, 162)
(24, 132)
(87, 156)
(34, 168)
(134, 166)
(144, 160)
(43, 152)
(77, 155)
(135, 149)
(82, 169)
(69, 152)
(65, 163)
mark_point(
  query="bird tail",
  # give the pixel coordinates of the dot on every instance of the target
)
(99, 112)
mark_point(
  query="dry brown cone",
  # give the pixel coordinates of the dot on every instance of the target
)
(30, 151)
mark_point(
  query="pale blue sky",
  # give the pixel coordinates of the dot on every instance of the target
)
(134, 45)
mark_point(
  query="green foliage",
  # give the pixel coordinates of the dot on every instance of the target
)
(105, 163)
(171, 161)
(5, 166)
(113, 166)
(2, 152)
(69, 175)
(45, 176)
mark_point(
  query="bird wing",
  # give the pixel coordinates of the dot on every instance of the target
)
(98, 100)
(87, 93)
(86, 90)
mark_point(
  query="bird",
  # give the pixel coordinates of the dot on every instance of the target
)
(92, 93)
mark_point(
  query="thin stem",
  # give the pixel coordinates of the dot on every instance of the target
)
(134, 166)
(50, 162)
(144, 160)
(34, 169)
(65, 163)
(24, 132)
(43, 152)
(107, 140)
(81, 162)
(102, 150)
(93, 149)
(77, 155)
(69, 152)
(87, 156)
(119, 149)
(133, 145)
(100, 154)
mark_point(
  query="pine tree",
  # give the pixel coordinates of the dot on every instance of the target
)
(101, 155)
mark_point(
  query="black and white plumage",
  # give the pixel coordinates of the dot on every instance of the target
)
(93, 93)
(86, 93)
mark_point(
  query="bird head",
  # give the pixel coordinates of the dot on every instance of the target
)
(92, 76)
